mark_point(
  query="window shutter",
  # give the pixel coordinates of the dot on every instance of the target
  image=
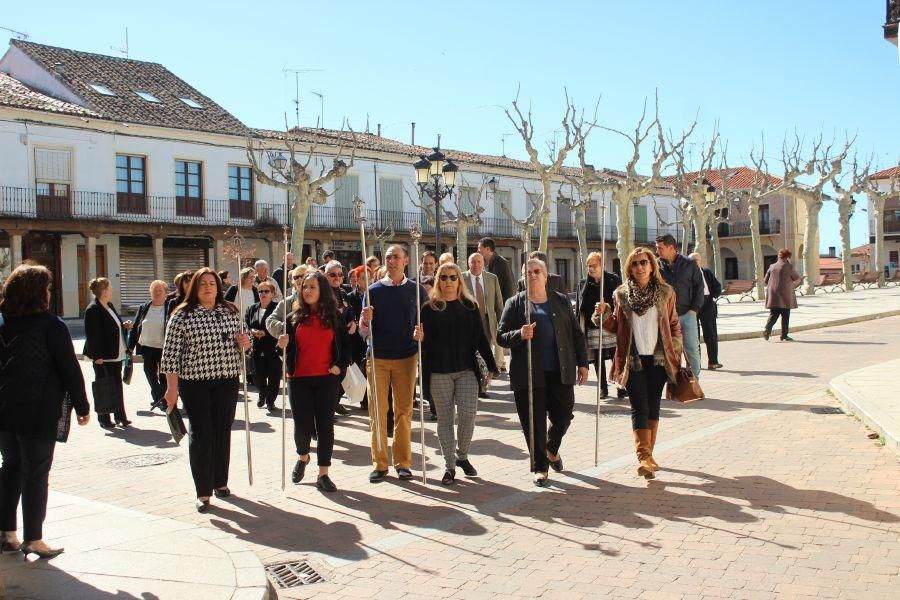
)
(52, 165)
(347, 188)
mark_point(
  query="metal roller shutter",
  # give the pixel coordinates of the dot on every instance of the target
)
(178, 260)
(135, 274)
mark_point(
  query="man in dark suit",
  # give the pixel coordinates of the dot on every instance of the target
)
(709, 312)
(499, 266)
(555, 283)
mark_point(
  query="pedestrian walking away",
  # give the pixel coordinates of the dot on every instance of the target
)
(145, 338)
(648, 347)
(781, 281)
(452, 332)
(391, 315)
(202, 355)
(266, 361)
(317, 350)
(586, 298)
(105, 343)
(684, 276)
(558, 362)
(709, 313)
(41, 382)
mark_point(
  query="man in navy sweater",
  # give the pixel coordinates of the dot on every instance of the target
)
(389, 323)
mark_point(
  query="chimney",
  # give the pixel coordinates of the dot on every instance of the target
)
(413, 140)
(439, 141)
(379, 130)
(832, 252)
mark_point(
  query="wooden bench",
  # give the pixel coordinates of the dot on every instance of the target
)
(866, 280)
(830, 283)
(893, 279)
(743, 288)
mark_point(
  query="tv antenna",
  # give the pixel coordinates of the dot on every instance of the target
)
(123, 51)
(19, 35)
(296, 73)
(503, 137)
(321, 108)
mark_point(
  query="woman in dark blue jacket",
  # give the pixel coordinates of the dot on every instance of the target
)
(40, 382)
(105, 336)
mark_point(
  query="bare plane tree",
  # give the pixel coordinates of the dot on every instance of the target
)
(878, 197)
(297, 177)
(585, 186)
(846, 208)
(576, 131)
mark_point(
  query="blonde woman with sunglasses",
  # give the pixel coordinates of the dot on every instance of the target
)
(648, 347)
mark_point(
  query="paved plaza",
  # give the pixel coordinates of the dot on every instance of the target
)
(759, 497)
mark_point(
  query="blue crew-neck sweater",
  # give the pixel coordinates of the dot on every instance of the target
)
(394, 319)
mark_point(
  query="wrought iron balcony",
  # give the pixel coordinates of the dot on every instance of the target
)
(742, 228)
(891, 20)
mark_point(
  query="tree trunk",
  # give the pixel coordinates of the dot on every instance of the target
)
(299, 214)
(700, 220)
(811, 247)
(716, 251)
(878, 209)
(758, 274)
(581, 234)
(624, 244)
(844, 214)
(462, 244)
(685, 235)
(545, 214)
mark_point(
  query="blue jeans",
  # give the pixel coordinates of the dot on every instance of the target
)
(690, 333)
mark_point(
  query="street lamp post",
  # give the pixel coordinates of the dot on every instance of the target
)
(436, 177)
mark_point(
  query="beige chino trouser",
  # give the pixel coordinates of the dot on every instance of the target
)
(398, 375)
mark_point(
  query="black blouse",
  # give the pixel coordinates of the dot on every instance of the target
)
(452, 336)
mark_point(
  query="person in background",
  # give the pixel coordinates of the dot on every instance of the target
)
(249, 293)
(146, 339)
(555, 283)
(428, 284)
(312, 262)
(226, 280)
(176, 297)
(275, 322)
(499, 266)
(685, 277)
(429, 264)
(648, 347)
(105, 343)
(586, 298)
(278, 274)
(317, 351)
(327, 257)
(357, 343)
(781, 280)
(261, 268)
(39, 375)
(485, 288)
(446, 257)
(373, 263)
(202, 355)
(334, 272)
(266, 361)
(709, 312)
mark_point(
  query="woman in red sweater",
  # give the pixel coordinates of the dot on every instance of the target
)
(317, 353)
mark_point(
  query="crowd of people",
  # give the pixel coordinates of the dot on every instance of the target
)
(307, 326)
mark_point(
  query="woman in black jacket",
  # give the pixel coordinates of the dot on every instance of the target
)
(317, 351)
(105, 344)
(558, 361)
(587, 297)
(266, 361)
(146, 336)
(40, 381)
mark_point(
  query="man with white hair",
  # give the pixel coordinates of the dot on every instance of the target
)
(262, 274)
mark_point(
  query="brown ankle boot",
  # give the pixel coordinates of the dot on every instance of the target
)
(654, 427)
(642, 448)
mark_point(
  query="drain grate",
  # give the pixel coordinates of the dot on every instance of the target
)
(826, 410)
(293, 574)
(142, 460)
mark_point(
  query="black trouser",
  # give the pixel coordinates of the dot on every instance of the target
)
(156, 379)
(211, 405)
(785, 314)
(645, 391)
(25, 472)
(312, 404)
(707, 319)
(599, 360)
(111, 369)
(556, 400)
(268, 376)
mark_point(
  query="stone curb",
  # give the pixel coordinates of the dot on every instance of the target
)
(747, 335)
(865, 406)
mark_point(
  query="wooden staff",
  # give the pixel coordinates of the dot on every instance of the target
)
(284, 361)
(526, 238)
(239, 252)
(602, 206)
(415, 232)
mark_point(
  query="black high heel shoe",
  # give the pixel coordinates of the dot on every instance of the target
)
(6, 545)
(27, 549)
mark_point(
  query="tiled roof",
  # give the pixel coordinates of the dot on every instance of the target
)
(830, 263)
(78, 70)
(864, 250)
(736, 177)
(887, 173)
(368, 141)
(16, 94)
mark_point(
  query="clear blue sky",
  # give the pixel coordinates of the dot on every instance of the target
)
(762, 67)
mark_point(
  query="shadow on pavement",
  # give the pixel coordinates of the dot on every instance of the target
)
(143, 437)
(769, 373)
(43, 581)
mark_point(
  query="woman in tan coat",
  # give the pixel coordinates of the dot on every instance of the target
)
(648, 347)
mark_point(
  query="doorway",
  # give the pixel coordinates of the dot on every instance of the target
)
(43, 248)
(99, 269)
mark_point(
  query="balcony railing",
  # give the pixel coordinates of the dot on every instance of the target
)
(742, 228)
(891, 226)
(25, 203)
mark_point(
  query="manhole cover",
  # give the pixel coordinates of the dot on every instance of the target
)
(142, 460)
(826, 410)
(293, 574)
(608, 414)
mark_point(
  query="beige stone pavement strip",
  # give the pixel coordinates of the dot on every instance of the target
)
(871, 393)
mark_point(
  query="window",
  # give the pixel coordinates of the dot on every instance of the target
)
(191, 103)
(468, 199)
(240, 192)
(147, 96)
(391, 203)
(564, 227)
(188, 188)
(130, 190)
(52, 182)
(345, 189)
(502, 226)
(102, 89)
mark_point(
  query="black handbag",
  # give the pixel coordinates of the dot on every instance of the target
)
(108, 396)
(176, 424)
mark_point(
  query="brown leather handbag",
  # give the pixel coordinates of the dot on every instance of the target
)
(686, 387)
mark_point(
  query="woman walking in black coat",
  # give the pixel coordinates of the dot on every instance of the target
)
(146, 337)
(266, 361)
(39, 377)
(105, 336)
(558, 362)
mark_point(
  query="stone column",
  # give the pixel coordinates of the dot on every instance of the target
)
(90, 257)
(277, 257)
(15, 249)
(218, 258)
(158, 258)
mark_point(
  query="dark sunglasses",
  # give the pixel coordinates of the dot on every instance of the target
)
(450, 277)
(642, 262)
(265, 291)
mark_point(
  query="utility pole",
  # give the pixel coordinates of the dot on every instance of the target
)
(296, 73)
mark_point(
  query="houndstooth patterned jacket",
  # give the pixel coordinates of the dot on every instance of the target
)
(201, 345)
